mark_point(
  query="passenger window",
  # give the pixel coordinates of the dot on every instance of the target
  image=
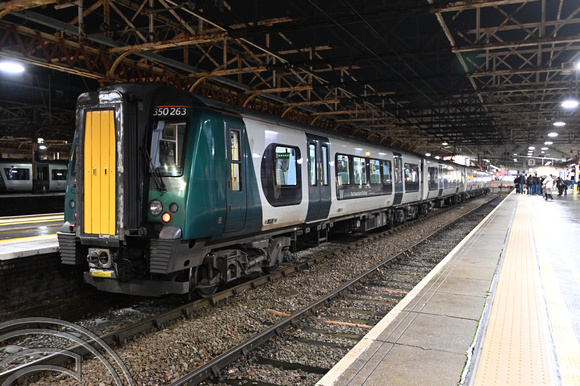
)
(342, 170)
(59, 175)
(375, 166)
(236, 163)
(280, 174)
(359, 170)
(17, 173)
(285, 166)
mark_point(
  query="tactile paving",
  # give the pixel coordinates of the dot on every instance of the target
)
(516, 347)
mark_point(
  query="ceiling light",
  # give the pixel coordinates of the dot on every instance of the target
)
(11, 67)
(444, 144)
(437, 157)
(548, 143)
(531, 148)
(515, 160)
(515, 153)
(542, 152)
(570, 104)
(577, 65)
(552, 135)
(559, 123)
(427, 154)
(544, 148)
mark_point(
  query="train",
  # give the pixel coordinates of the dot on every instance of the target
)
(17, 176)
(172, 193)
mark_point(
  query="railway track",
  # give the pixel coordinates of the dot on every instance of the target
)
(351, 327)
(327, 325)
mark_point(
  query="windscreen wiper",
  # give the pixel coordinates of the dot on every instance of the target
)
(155, 173)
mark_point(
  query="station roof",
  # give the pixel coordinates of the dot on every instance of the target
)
(483, 78)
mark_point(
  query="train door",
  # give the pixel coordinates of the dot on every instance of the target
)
(398, 178)
(99, 172)
(318, 178)
(236, 183)
(42, 174)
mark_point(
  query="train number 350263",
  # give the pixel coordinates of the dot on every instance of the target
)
(164, 111)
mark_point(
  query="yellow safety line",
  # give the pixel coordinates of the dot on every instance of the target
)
(27, 239)
(565, 340)
(516, 347)
(30, 222)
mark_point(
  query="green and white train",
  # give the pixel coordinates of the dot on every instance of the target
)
(169, 193)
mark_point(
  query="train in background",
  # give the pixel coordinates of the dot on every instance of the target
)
(169, 193)
(17, 176)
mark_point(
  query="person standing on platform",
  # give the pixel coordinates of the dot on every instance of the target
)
(536, 180)
(547, 185)
(517, 183)
(560, 185)
(522, 183)
(530, 183)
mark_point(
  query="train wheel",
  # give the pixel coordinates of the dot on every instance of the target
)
(208, 281)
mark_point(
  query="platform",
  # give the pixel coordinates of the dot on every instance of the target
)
(502, 308)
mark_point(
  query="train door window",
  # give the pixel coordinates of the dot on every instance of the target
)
(342, 170)
(312, 163)
(42, 171)
(359, 170)
(17, 173)
(387, 177)
(398, 170)
(411, 177)
(324, 150)
(433, 178)
(285, 166)
(167, 147)
(375, 170)
(236, 165)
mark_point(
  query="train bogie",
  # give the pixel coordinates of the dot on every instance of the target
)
(176, 195)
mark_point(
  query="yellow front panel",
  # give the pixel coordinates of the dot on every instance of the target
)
(99, 170)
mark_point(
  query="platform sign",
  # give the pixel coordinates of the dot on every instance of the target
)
(531, 162)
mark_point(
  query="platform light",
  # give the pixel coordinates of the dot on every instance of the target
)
(11, 67)
(552, 135)
(531, 148)
(570, 103)
(444, 144)
(427, 154)
(548, 143)
(42, 147)
(559, 123)
(544, 148)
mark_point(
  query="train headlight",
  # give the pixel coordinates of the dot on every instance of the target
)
(155, 207)
(72, 204)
